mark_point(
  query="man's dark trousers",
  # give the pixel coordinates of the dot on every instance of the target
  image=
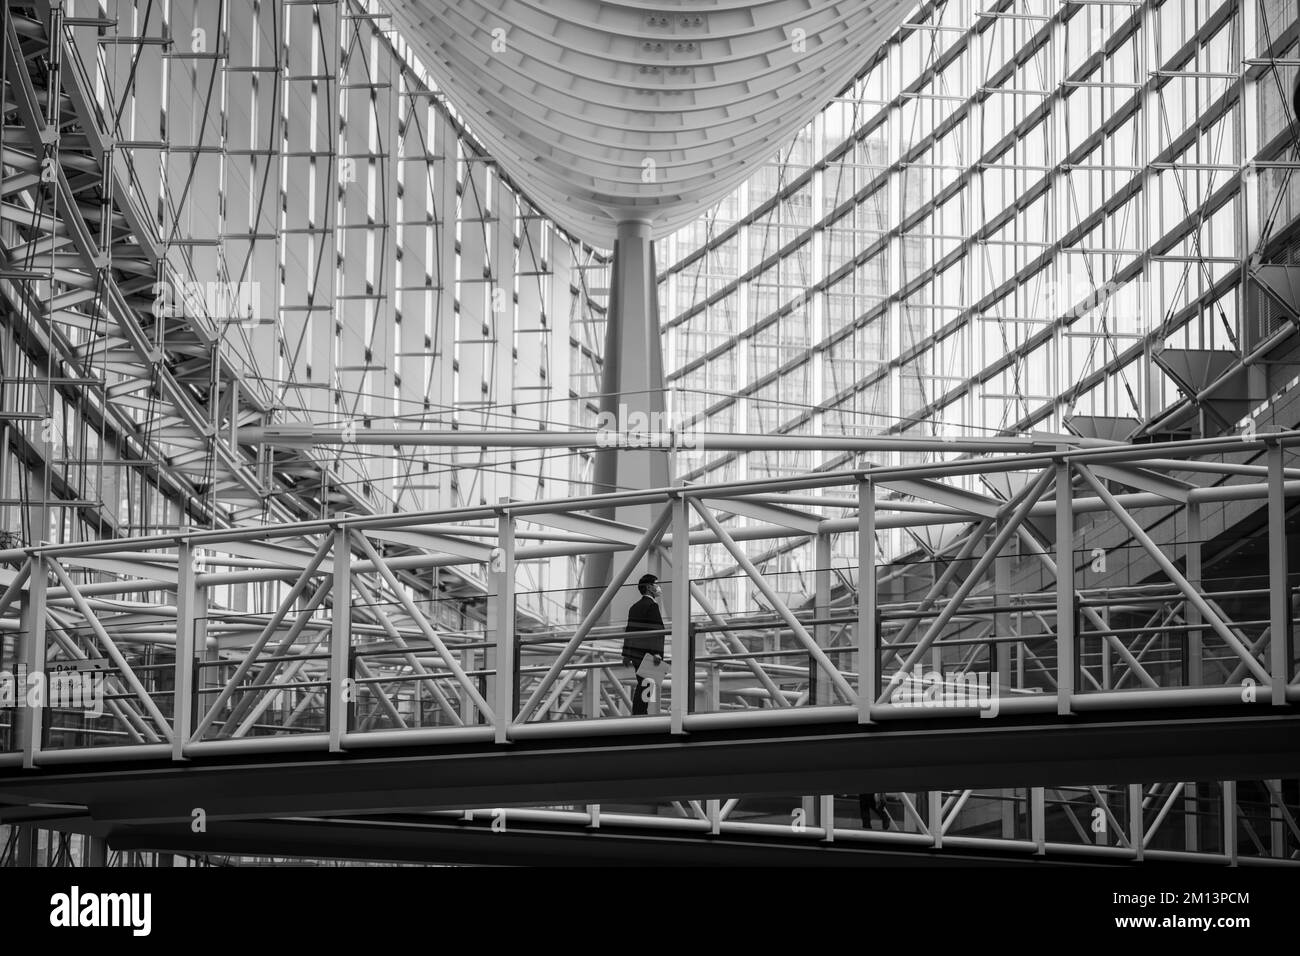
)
(639, 704)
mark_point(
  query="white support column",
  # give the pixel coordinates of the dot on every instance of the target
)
(1037, 821)
(1008, 805)
(340, 693)
(680, 611)
(1192, 614)
(817, 689)
(501, 625)
(1064, 589)
(1001, 652)
(31, 655)
(1107, 666)
(868, 638)
(187, 601)
(1276, 809)
(934, 818)
(590, 696)
(1230, 821)
(826, 815)
(1136, 829)
(632, 387)
(1279, 599)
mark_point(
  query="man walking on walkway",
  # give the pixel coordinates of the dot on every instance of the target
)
(644, 616)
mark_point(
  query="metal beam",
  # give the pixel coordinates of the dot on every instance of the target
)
(738, 553)
(1279, 581)
(651, 537)
(1167, 566)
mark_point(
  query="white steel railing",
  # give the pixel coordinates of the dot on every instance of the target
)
(321, 635)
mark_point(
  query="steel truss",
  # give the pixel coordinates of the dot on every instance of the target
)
(301, 637)
(1235, 823)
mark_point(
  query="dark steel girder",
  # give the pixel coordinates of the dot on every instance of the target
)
(424, 841)
(833, 758)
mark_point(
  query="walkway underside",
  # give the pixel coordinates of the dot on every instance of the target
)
(813, 759)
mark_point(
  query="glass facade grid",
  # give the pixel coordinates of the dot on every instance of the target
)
(1018, 206)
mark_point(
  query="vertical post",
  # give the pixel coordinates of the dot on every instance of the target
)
(206, 678)
(826, 815)
(187, 594)
(1277, 834)
(1107, 675)
(1001, 622)
(683, 673)
(714, 810)
(467, 702)
(821, 608)
(1064, 588)
(632, 381)
(1191, 819)
(31, 657)
(1009, 803)
(1230, 821)
(1136, 832)
(340, 693)
(712, 689)
(1037, 822)
(29, 839)
(654, 560)
(868, 637)
(935, 817)
(1279, 598)
(501, 623)
(1192, 614)
(591, 694)
(95, 851)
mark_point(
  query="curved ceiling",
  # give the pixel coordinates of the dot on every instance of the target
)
(611, 110)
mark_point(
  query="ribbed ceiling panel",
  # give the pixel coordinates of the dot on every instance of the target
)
(607, 110)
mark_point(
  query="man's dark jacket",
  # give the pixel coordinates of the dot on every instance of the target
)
(644, 616)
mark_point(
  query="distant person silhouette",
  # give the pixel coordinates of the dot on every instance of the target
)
(869, 803)
(644, 616)
(1295, 102)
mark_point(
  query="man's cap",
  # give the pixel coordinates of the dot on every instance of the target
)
(647, 579)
